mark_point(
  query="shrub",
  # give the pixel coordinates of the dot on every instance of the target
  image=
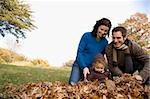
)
(2, 61)
(40, 62)
(8, 56)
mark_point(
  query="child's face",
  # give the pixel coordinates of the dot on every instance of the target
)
(99, 68)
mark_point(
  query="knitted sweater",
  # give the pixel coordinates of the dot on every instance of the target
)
(88, 48)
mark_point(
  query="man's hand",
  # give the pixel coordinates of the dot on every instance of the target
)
(138, 77)
(85, 72)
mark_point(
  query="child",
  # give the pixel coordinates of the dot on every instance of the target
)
(98, 69)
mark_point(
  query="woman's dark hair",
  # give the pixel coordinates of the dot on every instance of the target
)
(122, 29)
(103, 21)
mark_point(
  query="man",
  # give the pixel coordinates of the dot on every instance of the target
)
(125, 56)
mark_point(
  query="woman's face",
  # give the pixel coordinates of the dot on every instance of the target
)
(102, 31)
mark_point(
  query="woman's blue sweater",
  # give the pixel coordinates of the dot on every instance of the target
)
(88, 48)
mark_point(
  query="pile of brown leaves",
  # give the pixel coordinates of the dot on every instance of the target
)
(125, 87)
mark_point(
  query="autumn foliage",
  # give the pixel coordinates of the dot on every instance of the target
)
(7, 56)
(138, 26)
(125, 87)
(11, 57)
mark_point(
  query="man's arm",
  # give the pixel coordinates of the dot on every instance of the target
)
(142, 57)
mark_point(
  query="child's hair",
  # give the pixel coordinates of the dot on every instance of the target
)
(99, 59)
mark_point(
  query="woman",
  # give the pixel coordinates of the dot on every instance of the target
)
(90, 45)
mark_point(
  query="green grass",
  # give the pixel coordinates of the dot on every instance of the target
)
(25, 74)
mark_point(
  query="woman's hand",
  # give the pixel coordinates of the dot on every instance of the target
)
(85, 72)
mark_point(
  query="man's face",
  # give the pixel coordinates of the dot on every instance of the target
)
(102, 31)
(118, 39)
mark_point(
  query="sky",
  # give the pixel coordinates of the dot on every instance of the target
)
(61, 23)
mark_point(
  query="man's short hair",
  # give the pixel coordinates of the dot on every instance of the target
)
(122, 29)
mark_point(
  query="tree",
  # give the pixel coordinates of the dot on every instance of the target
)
(138, 28)
(15, 18)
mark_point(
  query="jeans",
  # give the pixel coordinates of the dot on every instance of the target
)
(76, 74)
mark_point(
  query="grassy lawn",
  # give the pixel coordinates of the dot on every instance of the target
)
(25, 74)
